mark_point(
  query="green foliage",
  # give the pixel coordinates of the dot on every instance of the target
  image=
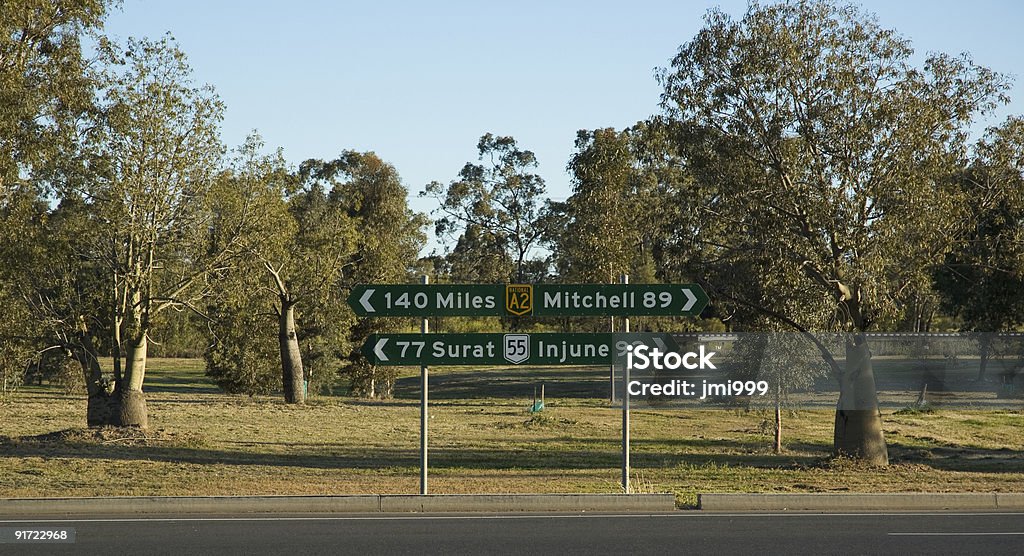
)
(789, 362)
(240, 359)
(281, 265)
(323, 228)
(17, 349)
(821, 161)
(44, 83)
(45, 88)
(982, 278)
(612, 192)
(479, 257)
(496, 209)
(388, 238)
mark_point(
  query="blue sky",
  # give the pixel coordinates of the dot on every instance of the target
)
(419, 82)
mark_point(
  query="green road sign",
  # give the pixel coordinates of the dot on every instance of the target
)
(505, 349)
(541, 300)
(618, 300)
(428, 300)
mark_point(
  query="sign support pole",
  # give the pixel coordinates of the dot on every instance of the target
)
(625, 407)
(424, 329)
(611, 368)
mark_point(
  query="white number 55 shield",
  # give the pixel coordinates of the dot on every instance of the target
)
(517, 348)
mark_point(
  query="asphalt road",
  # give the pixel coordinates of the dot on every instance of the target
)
(690, 532)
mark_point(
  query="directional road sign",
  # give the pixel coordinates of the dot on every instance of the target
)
(505, 349)
(541, 300)
(428, 300)
(618, 300)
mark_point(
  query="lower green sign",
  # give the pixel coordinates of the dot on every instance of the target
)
(505, 349)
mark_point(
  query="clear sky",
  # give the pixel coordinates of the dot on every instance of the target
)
(419, 82)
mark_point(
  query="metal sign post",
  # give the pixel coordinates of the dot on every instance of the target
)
(625, 408)
(424, 329)
(611, 368)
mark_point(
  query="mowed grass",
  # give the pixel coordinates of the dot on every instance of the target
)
(482, 440)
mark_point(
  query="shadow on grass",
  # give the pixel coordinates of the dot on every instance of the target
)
(170, 383)
(537, 454)
(509, 383)
(959, 458)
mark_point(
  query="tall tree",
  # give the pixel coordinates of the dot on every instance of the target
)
(155, 150)
(498, 203)
(44, 83)
(45, 90)
(389, 237)
(614, 188)
(299, 245)
(982, 279)
(822, 162)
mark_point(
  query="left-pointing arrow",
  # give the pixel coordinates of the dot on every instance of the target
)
(378, 349)
(365, 301)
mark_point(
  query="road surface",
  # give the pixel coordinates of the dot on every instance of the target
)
(691, 532)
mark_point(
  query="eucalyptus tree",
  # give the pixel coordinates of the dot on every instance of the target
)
(822, 161)
(499, 202)
(601, 239)
(388, 239)
(616, 214)
(45, 89)
(982, 279)
(298, 245)
(479, 257)
(44, 84)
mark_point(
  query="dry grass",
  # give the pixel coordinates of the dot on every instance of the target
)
(204, 442)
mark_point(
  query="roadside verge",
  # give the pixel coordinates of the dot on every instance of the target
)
(829, 502)
(372, 503)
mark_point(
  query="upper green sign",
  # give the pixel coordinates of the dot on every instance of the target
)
(541, 300)
(551, 300)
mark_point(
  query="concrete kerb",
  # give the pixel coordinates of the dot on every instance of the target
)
(829, 502)
(528, 503)
(398, 503)
(372, 503)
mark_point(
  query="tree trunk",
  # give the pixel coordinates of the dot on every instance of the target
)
(101, 407)
(985, 343)
(858, 423)
(291, 358)
(778, 418)
(132, 411)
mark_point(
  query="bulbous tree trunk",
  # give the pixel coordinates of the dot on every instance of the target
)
(858, 423)
(132, 410)
(291, 357)
(101, 406)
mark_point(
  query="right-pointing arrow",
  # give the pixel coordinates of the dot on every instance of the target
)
(691, 299)
(365, 301)
(377, 349)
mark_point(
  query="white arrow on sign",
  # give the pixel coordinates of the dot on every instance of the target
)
(377, 349)
(365, 302)
(691, 299)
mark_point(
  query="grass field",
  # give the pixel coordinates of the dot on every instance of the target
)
(482, 440)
